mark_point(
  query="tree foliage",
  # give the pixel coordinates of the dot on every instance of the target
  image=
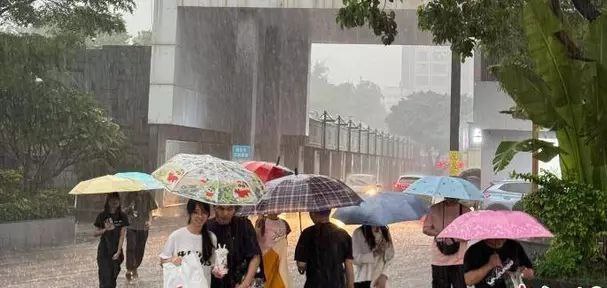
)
(86, 17)
(362, 101)
(143, 38)
(45, 124)
(120, 38)
(575, 247)
(424, 116)
(565, 89)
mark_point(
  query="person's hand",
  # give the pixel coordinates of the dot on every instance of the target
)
(108, 225)
(527, 273)
(495, 261)
(148, 224)
(381, 281)
(116, 255)
(242, 285)
(176, 260)
(217, 274)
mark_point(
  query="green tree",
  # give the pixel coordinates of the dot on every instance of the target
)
(421, 116)
(45, 124)
(362, 101)
(143, 38)
(565, 90)
(87, 17)
(119, 38)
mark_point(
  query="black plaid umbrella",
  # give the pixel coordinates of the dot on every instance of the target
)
(303, 193)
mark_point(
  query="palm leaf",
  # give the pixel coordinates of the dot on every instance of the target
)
(545, 151)
(530, 92)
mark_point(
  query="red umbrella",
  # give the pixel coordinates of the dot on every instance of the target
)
(267, 171)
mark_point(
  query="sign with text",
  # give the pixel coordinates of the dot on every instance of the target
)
(241, 153)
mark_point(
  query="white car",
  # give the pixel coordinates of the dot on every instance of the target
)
(502, 195)
(364, 184)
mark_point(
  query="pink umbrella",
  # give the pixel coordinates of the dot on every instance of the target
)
(486, 224)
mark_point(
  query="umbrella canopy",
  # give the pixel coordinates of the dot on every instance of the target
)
(448, 187)
(487, 224)
(383, 209)
(146, 179)
(303, 193)
(209, 179)
(109, 184)
(267, 171)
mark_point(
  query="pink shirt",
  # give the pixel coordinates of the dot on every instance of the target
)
(433, 224)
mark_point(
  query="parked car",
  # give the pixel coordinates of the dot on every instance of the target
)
(502, 195)
(404, 181)
(364, 184)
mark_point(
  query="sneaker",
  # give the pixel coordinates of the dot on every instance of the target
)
(135, 275)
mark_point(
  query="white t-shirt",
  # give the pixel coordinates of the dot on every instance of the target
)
(183, 242)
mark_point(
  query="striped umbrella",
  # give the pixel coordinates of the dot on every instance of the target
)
(303, 193)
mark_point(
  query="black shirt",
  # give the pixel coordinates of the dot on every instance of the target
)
(241, 241)
(324, 248)
(479, 254)
(108, 245)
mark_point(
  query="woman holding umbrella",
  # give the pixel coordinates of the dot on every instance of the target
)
(494, 261)
(373, 251)
(111, 227)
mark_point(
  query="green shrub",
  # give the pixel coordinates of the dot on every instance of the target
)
(577, 214)
(15, 205)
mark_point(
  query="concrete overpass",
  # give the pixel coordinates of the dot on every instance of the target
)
(238, 70)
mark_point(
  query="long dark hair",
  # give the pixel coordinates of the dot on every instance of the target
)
(106, 208)
(207, 244)
(370, 238)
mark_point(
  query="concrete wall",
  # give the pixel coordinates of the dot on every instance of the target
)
(118, 77)
(36, 234)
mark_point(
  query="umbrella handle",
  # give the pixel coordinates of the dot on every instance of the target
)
(278, 161)
(300, 226)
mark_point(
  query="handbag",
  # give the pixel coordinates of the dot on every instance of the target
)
(189, 274)
(448, 246)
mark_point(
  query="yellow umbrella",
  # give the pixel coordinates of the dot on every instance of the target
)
(107, 184)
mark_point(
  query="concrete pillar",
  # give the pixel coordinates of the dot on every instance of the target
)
(337, 164)
(325, 162)
(308, 160)
(356, 163)
(348, 164)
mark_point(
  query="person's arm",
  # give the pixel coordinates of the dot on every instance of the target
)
(349, 273)
(99, 231)
(429, 228)
(120, 242)
(248, 279)
(475, 276)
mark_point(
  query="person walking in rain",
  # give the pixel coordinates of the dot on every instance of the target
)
(272, 235)
(111, 227)
(238, 235)
(138, 206)
(488, 263)
(447, 254)
(195, 238)
(373, 251)
(324, 254)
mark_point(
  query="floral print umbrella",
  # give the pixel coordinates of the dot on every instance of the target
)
(209, 179)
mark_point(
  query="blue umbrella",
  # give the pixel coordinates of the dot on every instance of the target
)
(447, 187)
(150, 182)
(383, 209)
